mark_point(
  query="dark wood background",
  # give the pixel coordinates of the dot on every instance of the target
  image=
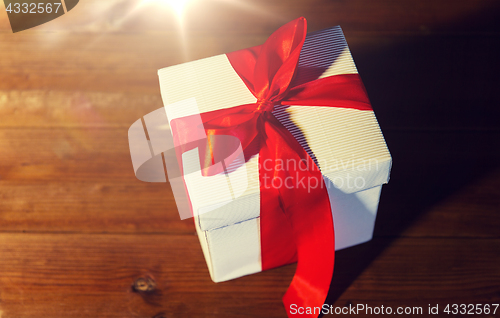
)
(77, 229)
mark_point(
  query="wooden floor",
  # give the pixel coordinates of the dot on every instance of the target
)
(78, 230)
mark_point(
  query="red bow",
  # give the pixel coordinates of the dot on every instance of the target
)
(296, 219)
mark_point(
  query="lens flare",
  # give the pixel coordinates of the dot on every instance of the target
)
(177, 5)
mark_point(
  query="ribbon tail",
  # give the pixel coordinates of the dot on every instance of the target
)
(314, 238)
(303, 199)
(316, 255)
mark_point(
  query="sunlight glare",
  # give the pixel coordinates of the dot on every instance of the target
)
(177, 5)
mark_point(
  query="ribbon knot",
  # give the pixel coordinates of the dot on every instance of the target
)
(264, 106)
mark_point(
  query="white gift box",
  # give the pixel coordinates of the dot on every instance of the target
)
(346, 143)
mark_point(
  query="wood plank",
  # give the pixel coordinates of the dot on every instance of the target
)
(137, 207)
(240, 17)
(81, 180)
(69, 90)
(418, 272)
(91, 276)
(434, 81)
(90, 207)
(33, 109)
(441, 182)
(471, 211)
(62, 275)
(109, 63)
(65, 154)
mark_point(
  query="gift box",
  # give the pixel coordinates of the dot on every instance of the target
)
(341, 138)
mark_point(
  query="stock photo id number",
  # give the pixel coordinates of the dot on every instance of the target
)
(28, 14)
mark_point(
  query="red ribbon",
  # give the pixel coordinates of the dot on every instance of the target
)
(295, 218)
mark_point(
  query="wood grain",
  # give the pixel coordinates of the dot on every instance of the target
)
(56, 275)
(77, 229)
(77, 275)
(39, 108)
(81, 179)
(446, 76)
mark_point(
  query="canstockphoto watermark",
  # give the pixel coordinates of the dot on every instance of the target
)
(211, 168)
(430, 309)
(209, 172)
(359, 309)
(346, 164)
(297, 181)
(345, 174)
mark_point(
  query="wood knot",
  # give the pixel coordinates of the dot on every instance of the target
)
(144, 284)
